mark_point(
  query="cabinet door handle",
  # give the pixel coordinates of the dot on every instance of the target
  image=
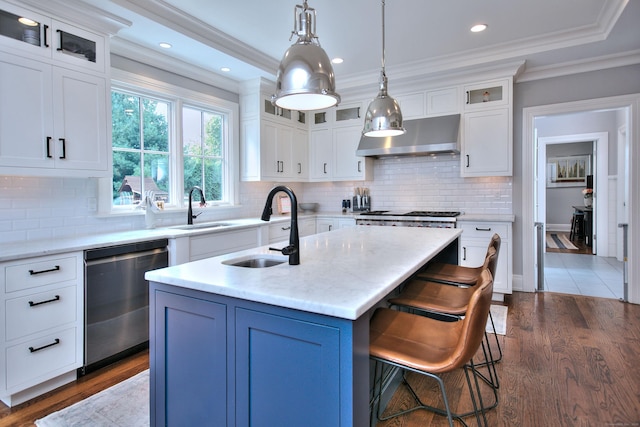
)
(54, 299)
(483, 229)
(359, 164)
(46, 39)
(34, 272)
(325, 167)
(464, 253)
(299, 167)
(64, 148)
(467, 160)
(49, 147)
(330, 227)
(468, 98)
(33, 349)
(59, 32)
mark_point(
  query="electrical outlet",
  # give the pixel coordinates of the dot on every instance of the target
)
(92, 204)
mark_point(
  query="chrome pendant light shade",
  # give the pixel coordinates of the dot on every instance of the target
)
(305, 79)
(383, 117)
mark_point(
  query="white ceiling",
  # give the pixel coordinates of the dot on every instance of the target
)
(423, 37)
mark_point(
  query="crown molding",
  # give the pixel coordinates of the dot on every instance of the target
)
(138, 53)
(171, 17)
(581, 66)
(79, 11)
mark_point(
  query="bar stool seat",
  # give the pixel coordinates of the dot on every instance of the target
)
(458, 274)
(432, 347)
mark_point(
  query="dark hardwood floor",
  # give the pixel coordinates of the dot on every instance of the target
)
(569, 360)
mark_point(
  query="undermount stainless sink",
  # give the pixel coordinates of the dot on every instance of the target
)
(200, 226)
(256, 261)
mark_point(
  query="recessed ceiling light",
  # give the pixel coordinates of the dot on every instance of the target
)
(165, 45)
(28, 22)
(337, 60)
(479, 27)
(225, 69)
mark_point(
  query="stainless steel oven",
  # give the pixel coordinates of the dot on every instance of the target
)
(117, 300)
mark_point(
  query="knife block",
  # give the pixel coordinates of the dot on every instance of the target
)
(363, 207)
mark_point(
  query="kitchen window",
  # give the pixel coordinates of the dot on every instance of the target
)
(165, 144)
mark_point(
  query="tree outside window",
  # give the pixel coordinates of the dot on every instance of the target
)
(203, 152)
(141, 153)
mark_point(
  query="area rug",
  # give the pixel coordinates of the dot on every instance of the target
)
(125, 404)
(559, 241)
(499, 314)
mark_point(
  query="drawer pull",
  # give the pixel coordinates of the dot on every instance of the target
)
(285, 228)
(483, 229)
(33, 350)
(54, 299)
(33, 272)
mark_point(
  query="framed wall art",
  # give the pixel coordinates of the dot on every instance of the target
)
(570, 171)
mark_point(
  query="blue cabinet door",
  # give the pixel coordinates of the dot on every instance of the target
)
(188, 357)
(287, 371)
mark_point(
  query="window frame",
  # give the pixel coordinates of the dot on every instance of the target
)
(179, 97)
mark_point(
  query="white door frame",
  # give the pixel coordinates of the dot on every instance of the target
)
(600, 165)
(529, 114)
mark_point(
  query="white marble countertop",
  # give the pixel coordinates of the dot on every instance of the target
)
(342, 273)
(17, 250)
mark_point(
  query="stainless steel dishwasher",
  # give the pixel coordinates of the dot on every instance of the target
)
(116, 309)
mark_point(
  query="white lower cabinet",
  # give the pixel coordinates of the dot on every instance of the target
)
(280, 231)
(333, 223)
(222, 242)
(41, 324)
(473, 249)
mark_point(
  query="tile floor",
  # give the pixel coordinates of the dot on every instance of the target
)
(583, 275)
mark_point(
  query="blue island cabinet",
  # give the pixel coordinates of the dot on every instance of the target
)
(220, 361)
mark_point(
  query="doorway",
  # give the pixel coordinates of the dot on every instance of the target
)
(626, 110)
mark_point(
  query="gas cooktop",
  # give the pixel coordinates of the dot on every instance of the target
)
(437, 214)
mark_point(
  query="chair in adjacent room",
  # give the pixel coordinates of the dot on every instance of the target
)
(577, 225)
(432, 347)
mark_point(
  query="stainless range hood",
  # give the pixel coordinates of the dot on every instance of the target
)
(423, 137)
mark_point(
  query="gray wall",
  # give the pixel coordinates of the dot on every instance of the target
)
(596, 84)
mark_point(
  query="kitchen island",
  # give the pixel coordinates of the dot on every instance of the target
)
(280, 345)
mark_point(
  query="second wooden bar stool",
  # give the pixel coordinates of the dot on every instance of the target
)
(431, 347)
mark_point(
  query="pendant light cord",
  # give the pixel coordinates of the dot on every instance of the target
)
(383, 45)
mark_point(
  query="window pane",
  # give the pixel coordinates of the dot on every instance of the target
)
(213, 134)
(156, 173)
(213, 179)
(156, 125)
(191, 132)
(125, 116)
(126, 178)
(193, 174)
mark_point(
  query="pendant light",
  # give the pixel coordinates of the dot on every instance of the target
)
(305, 79)
(383, 117)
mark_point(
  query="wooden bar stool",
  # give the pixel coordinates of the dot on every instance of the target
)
(443, 300)
(432, 347)
(457, 275)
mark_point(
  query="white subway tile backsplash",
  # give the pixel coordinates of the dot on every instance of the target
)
(33, 208)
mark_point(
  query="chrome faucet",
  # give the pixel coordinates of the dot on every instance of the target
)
(190, 215)
(293, 250)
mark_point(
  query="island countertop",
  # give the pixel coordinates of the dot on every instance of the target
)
(342, 273)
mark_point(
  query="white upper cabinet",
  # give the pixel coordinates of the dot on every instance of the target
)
(487, 132)
(274, 141)
(54, 103)
(442, 102)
